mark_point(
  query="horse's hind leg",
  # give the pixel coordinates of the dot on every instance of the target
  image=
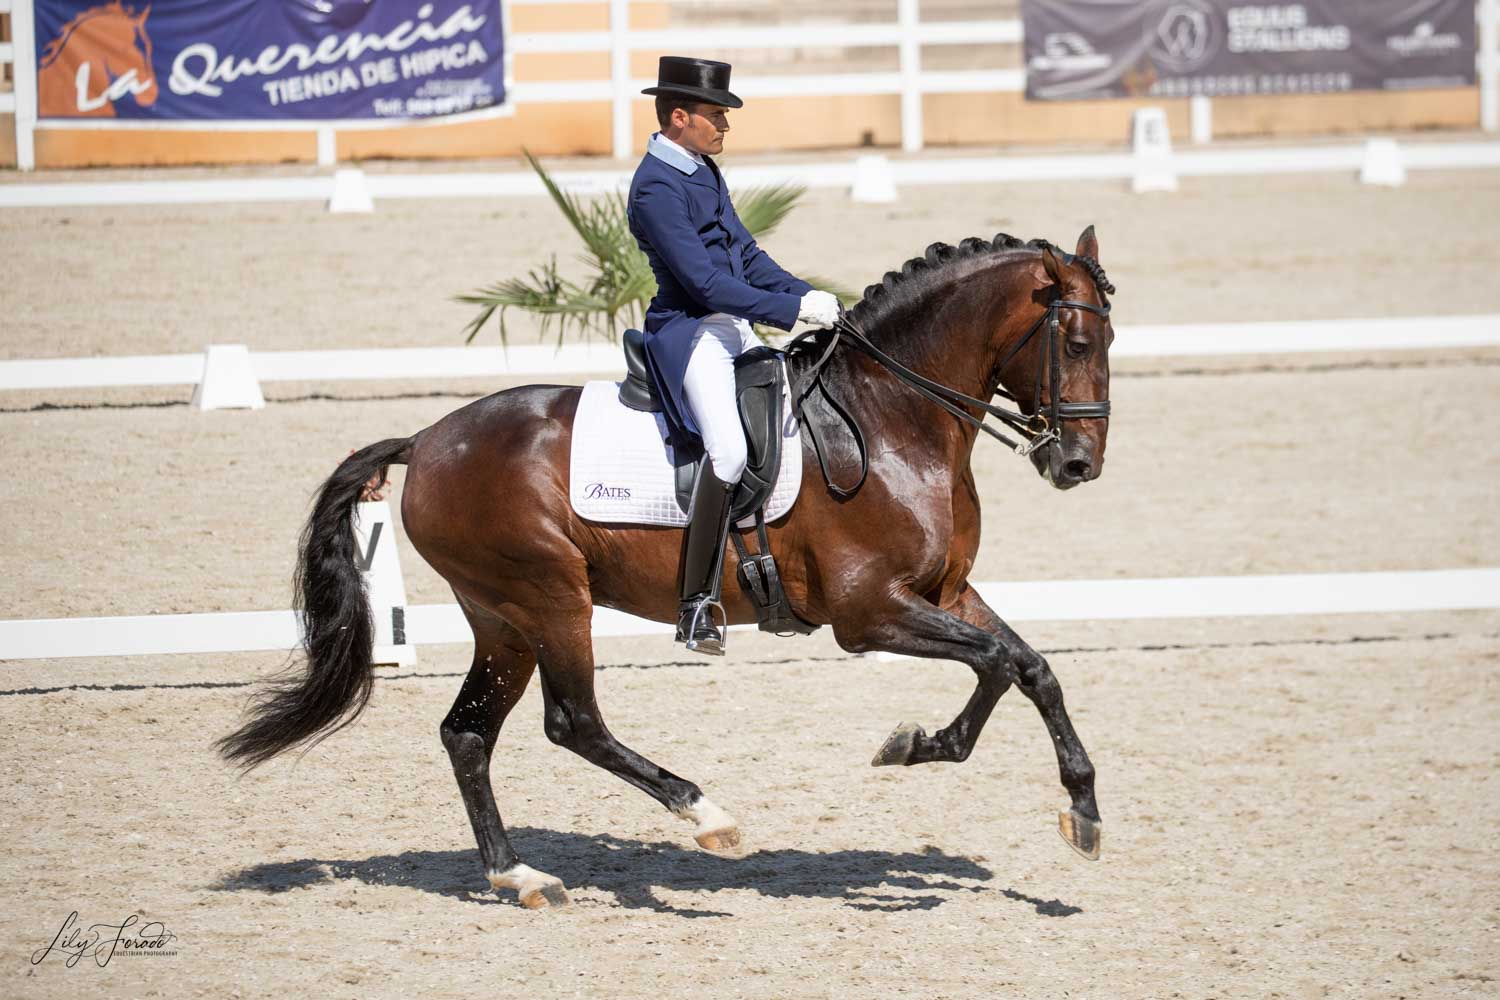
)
(573, 720)
(503, 664)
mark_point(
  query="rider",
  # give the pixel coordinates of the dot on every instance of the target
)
(712, 282)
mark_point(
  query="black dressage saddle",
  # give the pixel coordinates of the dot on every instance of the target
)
(759, 383)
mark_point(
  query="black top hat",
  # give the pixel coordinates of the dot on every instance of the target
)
(701, 79)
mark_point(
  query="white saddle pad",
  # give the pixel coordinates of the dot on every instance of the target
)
(621, 468)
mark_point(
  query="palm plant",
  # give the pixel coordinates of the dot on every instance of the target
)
(619, 283)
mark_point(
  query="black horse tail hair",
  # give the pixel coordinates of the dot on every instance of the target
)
(300, 710)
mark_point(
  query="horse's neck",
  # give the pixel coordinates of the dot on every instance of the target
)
(961, 359)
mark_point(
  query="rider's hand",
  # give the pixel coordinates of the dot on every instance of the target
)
(819, 308)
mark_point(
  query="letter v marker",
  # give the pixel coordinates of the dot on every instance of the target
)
(366, 559)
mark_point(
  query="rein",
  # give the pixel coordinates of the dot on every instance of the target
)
(1039, 427)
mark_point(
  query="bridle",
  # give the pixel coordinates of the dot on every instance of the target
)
(1045, 422)
(1042, 425)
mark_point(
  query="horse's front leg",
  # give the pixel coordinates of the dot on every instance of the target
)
(970, 632)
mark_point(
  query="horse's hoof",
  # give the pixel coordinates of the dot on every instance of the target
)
(1084, 835)
(899, 746)
(724, 842)
(537, 890)
(544, 896)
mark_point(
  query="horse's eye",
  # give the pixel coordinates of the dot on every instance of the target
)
(1077, 348)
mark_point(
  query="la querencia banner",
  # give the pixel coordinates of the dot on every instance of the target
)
(268, 59)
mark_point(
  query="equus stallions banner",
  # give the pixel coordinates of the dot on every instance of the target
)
(1078, 49)
(268, 59)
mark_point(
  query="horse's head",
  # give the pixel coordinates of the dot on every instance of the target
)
(1062, 373)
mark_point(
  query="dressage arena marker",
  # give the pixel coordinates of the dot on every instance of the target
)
(873, 182)
(1047, 600)
(375, 552)
(1382, 166)
(228, 380)
(1342, 158)
(350, 192)
(1151, 144)
(600, 357)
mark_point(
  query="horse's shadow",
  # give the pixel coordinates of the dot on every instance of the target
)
(629, 870)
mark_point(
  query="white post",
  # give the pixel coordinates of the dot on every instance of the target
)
(909, 18)
(1489, 65)
(327, 146)
(23, 67)
(1202, 111)
(619, 76)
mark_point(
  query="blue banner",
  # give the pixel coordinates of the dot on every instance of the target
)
(268, 59)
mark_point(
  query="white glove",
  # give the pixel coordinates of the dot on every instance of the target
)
(819, 308)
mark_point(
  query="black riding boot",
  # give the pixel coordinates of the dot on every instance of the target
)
(702, 562)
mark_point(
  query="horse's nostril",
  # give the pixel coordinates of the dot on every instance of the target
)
(1076, 468)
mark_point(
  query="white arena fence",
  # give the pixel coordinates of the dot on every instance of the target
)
(908, 34)
(230, 376)
(400, 628)
(864, 172)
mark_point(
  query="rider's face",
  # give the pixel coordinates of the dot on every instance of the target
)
(703, 127)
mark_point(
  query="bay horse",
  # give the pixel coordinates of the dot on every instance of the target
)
(486, 503)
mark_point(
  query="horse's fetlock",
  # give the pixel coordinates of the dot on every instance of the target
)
(1079, 777)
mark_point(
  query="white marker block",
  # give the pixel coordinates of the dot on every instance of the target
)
(1382, 164)
(873, 180)
(375, 552)
(350, 192)
(228, 381)
(1151, 143)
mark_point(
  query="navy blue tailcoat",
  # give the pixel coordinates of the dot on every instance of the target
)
(705, 261)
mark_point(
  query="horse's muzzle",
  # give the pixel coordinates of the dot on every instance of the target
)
(1067, 467)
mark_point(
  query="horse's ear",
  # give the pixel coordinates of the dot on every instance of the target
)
(1088, 244)
(1054, 265)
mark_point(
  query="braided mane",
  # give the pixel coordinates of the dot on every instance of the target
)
(903, 289)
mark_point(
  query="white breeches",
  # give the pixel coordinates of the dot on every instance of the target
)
(709, 387)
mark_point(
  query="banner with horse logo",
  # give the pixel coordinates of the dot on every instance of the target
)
(1087, 49)
(268, 59)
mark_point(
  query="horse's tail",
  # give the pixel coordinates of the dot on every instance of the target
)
(330, 693)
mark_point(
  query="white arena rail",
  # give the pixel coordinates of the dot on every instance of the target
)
(1346, 158)
(242, 370)
(1048, 600)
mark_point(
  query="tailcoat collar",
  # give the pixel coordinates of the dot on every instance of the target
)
(670, 153)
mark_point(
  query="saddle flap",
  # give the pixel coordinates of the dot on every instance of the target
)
(638, 390)
(759, 397)
(835, 434)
